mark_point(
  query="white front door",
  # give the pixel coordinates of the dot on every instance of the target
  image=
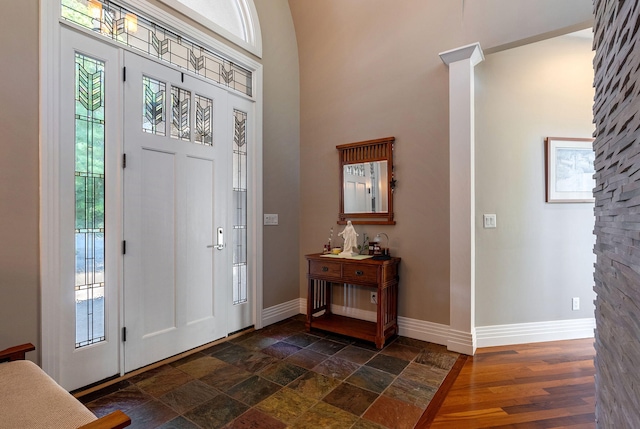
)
(177, 191)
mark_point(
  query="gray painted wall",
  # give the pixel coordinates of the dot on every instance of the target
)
(540, 255)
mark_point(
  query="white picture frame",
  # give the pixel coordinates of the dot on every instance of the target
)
(569, 170)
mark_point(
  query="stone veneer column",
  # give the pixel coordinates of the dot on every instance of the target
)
(616, 113)
(461, 63)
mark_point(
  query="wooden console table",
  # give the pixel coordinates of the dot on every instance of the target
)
(379, 275)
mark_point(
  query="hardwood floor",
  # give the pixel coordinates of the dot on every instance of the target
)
(541, 385)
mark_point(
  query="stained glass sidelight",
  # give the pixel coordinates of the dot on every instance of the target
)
(240, 207)
(89, 200)
(204, 120)
(180, 113)
(153, 109)
(123, 26)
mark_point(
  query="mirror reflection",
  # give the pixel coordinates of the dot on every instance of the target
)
(366, 182)
(365, 187)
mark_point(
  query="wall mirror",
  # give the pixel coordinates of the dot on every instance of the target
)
(367, 182)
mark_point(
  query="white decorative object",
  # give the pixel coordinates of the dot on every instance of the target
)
(350, 237)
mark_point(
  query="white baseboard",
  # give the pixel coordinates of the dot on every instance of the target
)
(536, 332)
(283, 311)
(421, 330)
(458, 341)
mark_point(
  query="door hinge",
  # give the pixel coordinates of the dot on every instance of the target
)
(124, 160)
(124, 334)
(124, 74)
(124, 247)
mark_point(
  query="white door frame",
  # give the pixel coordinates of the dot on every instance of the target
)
(50, 218)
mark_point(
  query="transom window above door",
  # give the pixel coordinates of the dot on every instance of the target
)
(135, 31)
(235, 17)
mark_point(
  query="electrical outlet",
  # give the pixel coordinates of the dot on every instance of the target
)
(575, 303)
(374, 297)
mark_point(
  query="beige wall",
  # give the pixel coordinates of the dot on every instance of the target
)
(281, 151)
(371, 72)
(540, 255)
(370, 69)
(19, 237)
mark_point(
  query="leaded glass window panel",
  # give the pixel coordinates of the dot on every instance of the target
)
(240, 207)
(153, 108)
(121, 25)
(180, 114)
(204, 120)
(89, 200)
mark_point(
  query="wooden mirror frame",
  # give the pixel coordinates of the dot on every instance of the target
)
(361, 152)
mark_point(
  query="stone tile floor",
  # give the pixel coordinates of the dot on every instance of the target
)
(284, 377)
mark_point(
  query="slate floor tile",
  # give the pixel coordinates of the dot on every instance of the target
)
(390, 364)
(392, 413)
(306, 358)
(314, 385)
(254, 419)
(284, 377)
(371, 379)
(188, 396)
(351, 398)
(326, 347)
(282, 372)
(336, 368)
(217, 412)
(253, 390)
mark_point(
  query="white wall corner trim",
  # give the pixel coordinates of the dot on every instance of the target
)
(521, 333)
(462, 342)
(461, 62)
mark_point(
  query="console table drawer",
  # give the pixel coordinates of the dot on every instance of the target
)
(360, 273)
(325, 269)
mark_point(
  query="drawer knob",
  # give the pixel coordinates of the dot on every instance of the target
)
(325, 269)
(359, 273)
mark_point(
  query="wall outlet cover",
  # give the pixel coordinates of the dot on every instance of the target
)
(489, 221)
(270, 219)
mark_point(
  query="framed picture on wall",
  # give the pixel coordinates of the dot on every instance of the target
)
(569, 165)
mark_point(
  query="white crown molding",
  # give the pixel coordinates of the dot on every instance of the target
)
(472, 52)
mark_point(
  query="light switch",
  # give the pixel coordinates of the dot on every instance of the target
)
(489, 220)
(270, 219)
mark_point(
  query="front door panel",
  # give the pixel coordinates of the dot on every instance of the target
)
(176, 186)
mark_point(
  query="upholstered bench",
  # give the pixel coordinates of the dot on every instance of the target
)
(29, 398)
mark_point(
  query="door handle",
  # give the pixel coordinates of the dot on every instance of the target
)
(220, 244)
(220, 240)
